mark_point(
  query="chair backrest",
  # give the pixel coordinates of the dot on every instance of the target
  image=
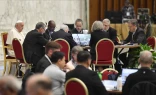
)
(106, 72)
(75, 86)
(151, 41)
(104, 50)
(65, 48)
(18, 49)
(4, 38)
(143, 88)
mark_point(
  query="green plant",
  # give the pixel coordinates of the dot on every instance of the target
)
(134, 53)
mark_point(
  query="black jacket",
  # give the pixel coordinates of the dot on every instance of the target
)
(143, 74)
(42, 65)
(67, 36)
(138, 37)
(34, 46)
(90, 79)
(112, 34)
(74, 31)
(95, 37)
(46, 35)
(143, 88)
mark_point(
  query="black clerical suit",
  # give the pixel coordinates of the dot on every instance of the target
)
(34, 47)
(47, 34)
(95, 37)
(74, 31)
(42, 64)
(143, 74)
(112, 34)
(67, 36)
(90, 79)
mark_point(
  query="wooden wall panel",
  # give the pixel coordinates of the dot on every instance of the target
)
(110, 5)
(149, 5)
(103, 8)
(136, 5)
(97, 8)
(122, 3)
(93, 11)
(143, 3)
(116, 5)
(154, 7)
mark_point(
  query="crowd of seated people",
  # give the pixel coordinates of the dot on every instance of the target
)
(50, 70)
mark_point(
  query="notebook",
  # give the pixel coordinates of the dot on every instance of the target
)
(126, 73)
(82, 39)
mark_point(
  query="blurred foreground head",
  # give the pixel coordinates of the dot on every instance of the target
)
(9, 85)
(39, 85)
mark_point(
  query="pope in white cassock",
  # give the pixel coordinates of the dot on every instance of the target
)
(15, 32)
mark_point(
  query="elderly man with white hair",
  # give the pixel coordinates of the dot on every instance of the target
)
(112, 32)
(15, 32)
(63, 33)
(143, 74)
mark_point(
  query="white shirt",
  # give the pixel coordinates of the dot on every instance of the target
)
(13, 33)
(48, 58)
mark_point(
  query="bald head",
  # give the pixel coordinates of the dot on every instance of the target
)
(146, 58)
(39, 85)
(9, 85)
(51, 25)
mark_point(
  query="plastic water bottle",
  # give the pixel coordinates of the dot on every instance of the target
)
(119, 83)
(100, 75)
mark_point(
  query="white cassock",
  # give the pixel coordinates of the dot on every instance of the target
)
(13, 33)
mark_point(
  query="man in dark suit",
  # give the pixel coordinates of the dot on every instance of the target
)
(34, 45)
(90, 78)
(63, 33)
(49, 30)
(111, 31)
(136, 34)
(143, 74)
(78, 27)
(44, 62)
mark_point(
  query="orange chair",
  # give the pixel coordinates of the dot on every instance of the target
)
(75, 86)
(151, 41)
(107, 72)
(104, 53)
(65, 48)
(6, 57)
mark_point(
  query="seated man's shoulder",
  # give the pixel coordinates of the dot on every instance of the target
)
(140, 29)
(112, 29)
(74, 31)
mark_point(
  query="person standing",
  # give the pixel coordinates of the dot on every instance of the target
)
(128, 11)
